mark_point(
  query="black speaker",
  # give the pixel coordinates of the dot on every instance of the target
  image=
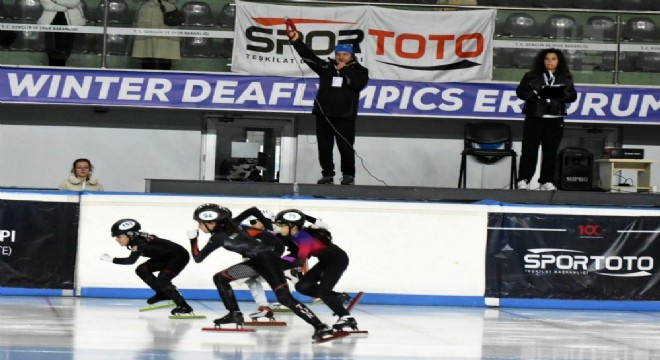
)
(576, 169)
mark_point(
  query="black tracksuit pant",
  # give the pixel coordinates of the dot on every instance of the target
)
(326, 136)
(544, 132)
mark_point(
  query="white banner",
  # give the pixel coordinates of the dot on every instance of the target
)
(393, 44)
(430, 46)
(261, 46)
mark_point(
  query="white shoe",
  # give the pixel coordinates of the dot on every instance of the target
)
(548, 187)
(523, 185)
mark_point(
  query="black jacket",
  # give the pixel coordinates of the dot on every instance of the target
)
(336, 102)
(531, 87)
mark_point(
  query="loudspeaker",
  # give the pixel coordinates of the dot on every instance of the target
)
(576, 169)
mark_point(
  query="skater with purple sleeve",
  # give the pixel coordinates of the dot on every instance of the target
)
(320, 280)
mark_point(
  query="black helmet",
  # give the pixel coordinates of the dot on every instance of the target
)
(291, 217)
(212, 213)
(125, 227)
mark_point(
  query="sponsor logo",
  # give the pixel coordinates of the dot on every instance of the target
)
(8, 235)
(263, 38)
(417, 46)
(590, 230)
(577, 179)
(558, 261)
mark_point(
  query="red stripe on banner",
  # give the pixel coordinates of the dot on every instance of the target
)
(281, 21)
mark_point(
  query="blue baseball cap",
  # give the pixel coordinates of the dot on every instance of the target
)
(344, 48)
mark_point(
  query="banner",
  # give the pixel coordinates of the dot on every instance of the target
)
(430, 46)
(261, 46)
(38, 244)
(597, 104)
(573, 257)
(393, 44)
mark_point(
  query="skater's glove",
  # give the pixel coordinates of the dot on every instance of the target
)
(321, 224)
(107, 257)
(192, 234)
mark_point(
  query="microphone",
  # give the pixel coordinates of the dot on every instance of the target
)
(289, 24)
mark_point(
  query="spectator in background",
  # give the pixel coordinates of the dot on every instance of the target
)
(81, 178)
(546, 90)
(155, 52)
(60, 12)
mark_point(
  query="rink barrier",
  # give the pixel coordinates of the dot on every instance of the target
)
(245, 295)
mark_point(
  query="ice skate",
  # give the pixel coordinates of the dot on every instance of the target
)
(322, 331)
(157, 298)
(262, 312)
(233, 317)
(182, 309)
(325, 333)
(345, 322)
(161, 305)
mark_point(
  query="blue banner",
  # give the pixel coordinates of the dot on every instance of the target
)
(598, 104)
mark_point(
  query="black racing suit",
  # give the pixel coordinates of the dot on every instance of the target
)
(261, 258)
(320, 280)
(165, 257)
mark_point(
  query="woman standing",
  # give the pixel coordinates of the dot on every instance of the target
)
(60, 12)
(81, 178)
(156, 52)
(546, 90)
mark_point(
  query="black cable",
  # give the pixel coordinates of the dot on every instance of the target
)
(302, 74)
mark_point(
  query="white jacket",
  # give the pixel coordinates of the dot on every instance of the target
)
(72, 183)
(72, 9)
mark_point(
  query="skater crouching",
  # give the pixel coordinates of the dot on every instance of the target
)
(225, 232)
(260, 231)
(320, 280)
(165, 257)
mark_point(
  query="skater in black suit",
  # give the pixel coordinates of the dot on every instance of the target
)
(320, 280)
(226, 232)
(165, 257)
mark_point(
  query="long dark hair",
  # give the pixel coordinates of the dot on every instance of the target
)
(539, 66)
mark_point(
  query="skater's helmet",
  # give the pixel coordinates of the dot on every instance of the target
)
(290, 217)
(212, 213)
(251, 220)
(268, 214)
(129, 227)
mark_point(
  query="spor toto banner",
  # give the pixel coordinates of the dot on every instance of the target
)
(573, 257)
(38, 243)
(433, 46)
(491, 100)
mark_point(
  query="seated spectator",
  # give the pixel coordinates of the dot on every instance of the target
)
(81, 178)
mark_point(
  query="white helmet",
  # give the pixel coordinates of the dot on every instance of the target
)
(251, 220)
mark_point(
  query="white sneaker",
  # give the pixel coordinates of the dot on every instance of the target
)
(523, 185)
(548, 187)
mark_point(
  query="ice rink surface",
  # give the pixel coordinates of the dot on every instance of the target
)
(54, 328)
